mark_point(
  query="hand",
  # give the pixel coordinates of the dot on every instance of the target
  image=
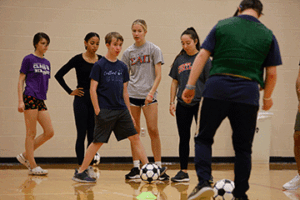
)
(188, 95)
(78, 92)
(97, 111)
(148, 99)
(267, 104)
(21, 107)
(172, 109)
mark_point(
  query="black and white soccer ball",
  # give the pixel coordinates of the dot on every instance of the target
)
(96, 159)
(223, 190)
(149, 172)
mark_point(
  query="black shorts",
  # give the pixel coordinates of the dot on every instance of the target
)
(139, 102)
(118, 121)
(34, 103)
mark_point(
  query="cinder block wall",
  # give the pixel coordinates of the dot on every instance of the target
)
(67, 22)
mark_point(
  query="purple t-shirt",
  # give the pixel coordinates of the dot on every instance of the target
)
(37, 71)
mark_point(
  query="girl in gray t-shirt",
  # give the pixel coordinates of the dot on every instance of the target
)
(144, 60)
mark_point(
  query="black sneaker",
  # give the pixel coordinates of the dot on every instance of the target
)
(181, 177)
(164, 177)
(133, 174)
(204, 191)
(240, 198)
(83, 177)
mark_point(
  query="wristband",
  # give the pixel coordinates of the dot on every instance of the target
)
(150, 96)
(172, 103)
(267, 98)
(190, 87)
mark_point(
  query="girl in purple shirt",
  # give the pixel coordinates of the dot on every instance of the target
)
(35, 73)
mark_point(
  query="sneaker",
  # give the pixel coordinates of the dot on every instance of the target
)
(164, 177)
(181, 177)
(240, 198)
(38, 171)
(204, 191)
(23, 160)
(292, 184)
(162, 171)
(133, 174)
(83, 177)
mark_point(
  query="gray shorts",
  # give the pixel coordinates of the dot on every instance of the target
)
(297, 123)
(118, 121)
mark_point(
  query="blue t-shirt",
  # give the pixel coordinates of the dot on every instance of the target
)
(111, 77)
(233, 88)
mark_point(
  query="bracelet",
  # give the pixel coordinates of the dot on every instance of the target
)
(190, 87)
(267, 98)
(150, 96)
(172, 103)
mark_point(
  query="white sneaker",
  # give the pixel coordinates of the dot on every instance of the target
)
(23, 160)
(292, 184)
(38, 171)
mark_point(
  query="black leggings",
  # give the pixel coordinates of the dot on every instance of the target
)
(184, 118)
(85, 123)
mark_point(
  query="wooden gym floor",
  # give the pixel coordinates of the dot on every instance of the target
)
(265, 183)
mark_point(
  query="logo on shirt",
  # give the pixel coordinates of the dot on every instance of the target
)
(41, 68)
(140, 59)
(184, 67)
(113, 75)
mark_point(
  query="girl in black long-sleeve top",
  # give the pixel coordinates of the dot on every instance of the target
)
(83, 108)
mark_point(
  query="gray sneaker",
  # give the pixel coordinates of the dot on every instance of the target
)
(23, 160)
(204, 191)
(83, 177)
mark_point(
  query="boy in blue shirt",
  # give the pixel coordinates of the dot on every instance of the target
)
(109, 79)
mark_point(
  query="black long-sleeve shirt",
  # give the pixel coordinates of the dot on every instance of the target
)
(83, 70)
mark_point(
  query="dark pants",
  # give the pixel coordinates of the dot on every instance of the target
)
(242, 118)
(184, 119)
(85, 123)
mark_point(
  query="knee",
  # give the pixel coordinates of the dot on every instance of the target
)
(153, 133)
(135, 138)
(49, 134)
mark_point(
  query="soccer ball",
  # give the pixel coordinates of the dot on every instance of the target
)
(149, 172)
(223, 190)
(96, 159)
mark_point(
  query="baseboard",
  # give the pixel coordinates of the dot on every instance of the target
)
(116, 160)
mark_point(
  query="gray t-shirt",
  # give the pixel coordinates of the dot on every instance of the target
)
(141, 63)
(180, 71)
